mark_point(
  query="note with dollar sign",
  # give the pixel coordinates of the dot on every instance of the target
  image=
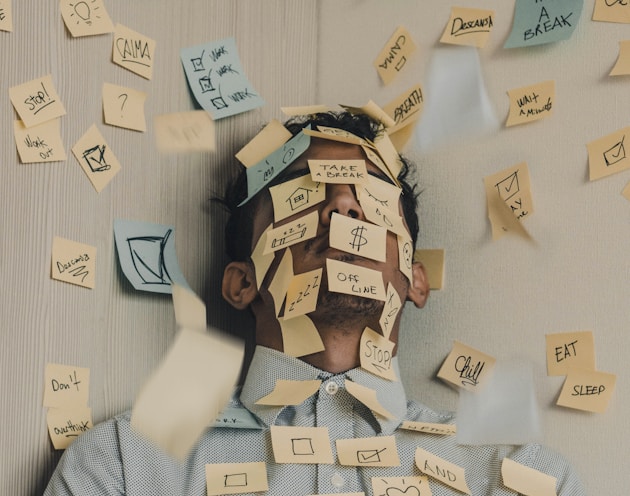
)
(358, 237)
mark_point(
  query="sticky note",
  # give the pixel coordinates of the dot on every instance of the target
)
(235, 478)
(73, 262)
(394, 55)
(432, 260)
(147, 257)
(387, 151)
(96, 158)
(368, 397)
(334, 134)
(382, 216)
(377, 451)
(510, 187)
(372, 110)
(570, 349)
(191, 131)
(587, 390)
(269, 139)
(622, 66)
(338, 171)
(293, 232)
(300, 336)
(358, 237)
(66, 386)
(391, 308)
(37, 101)
(66, 424)
(469, 27)
(429, 427)
(296, 195)
(405, 255)
(290, 393)
(526, 480)
(85, 18)
(384, 194)
(133, 51)
(183, 396)
(302, 293)
(6, 16)
(124, 107)
(608, 155)
(217, 78)
(611, 11)
(407, 107)
(626, 192)
(536, 23)
(376, 353)
(531, 103)
(294, 444)
(281, 279)
(40, 143)
(407, 486)
(441, 470)
(355, 280)
(262, 261)
(190, 310)
(466, 367)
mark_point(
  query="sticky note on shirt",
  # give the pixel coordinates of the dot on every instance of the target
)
(40, 143)
(526, 480)
(191, 131)
(466, 367)
(294, 444)
(570, 349)
(236, 478)
(124, 107)
(442, 470)
(66, 424)
(355, 280)
(376, 353)
(368, 397)
(429, 427)
(290, 393)
(608, 155)
(300, 336)
(85, 18)
(133, 51)
(402, 486)
(394, 55)
(73, 262)
(66, 386)
(358, 237)
(470, 27)
(377, 451)
(37, 101)
(587, 390)
(96, 158)
(531, 103)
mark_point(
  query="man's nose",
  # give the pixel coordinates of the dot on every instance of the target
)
(341, 199)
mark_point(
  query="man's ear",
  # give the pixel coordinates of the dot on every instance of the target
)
(239, 284)
(419, 288)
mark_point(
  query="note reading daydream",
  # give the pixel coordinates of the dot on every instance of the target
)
(217, 79)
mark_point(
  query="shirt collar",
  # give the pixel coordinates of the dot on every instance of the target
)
(269, 365)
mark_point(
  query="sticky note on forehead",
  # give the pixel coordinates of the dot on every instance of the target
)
(261, 174)
(272, 137)
(338, 171)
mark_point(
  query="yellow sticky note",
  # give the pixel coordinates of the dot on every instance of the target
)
(433, 262)
(368, 452)
(354, 280)
(526, 480)
(469, 27)
(407, 107)
(190, 310)
(466, 367)
(358, 237)
(281, 279)
(300, 336)
(290, 393)
(394, 55)
(73, 262)
(376, 353)
(66, 424)
(6, 17)
(588, 390)
(405, 255)
(124, 107)
(40, 143)
(372, 110)
(388, 153)
(334, 134)
(368, 397)
(392, 307)
(611, 11)
(85, 18)
(236, 478)
(36, 101)
(269, 139)
(338, 171)
(382, 193)
(96, 158)
(302, 293)
(442, 470)
(66, 386)
(382, 216)
(510, 187)
(429, 427)
(133, 51)
(626, 192)
(293, 444)
(570, 349)
(608, 155)
(402, 486)
(191, 131)
(296, 195)
(262, 261)
(531, 103)
(292, 232)
(622, 66)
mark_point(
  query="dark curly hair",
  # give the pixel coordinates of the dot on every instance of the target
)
(239, 227)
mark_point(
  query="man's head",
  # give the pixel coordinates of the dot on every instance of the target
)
(339, 317)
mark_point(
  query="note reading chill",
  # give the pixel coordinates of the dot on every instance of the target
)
(466, 367)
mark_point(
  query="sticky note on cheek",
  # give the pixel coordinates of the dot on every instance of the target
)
(354, 280)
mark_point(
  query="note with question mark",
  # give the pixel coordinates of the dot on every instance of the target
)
(124, 107)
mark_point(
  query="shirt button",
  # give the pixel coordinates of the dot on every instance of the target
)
(337, 481)
(332, 388)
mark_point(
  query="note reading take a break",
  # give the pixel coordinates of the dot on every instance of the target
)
(466, 367)
(338, 171)
(66, 386)
(470, 27)
(96, 158)
(394, 55)
(73, 262)
(587, 390)
(570, 349)
(133, 51)
(191, 131)
(36, 101)
(294, 444)
(40, 143)
(531, 103)
(124, 107)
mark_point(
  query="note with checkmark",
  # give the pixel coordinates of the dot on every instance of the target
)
(379, 451)
(608, 155)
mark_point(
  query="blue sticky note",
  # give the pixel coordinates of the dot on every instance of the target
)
(217, 79)
(543, 21)
(146, 253)
(260, 174)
